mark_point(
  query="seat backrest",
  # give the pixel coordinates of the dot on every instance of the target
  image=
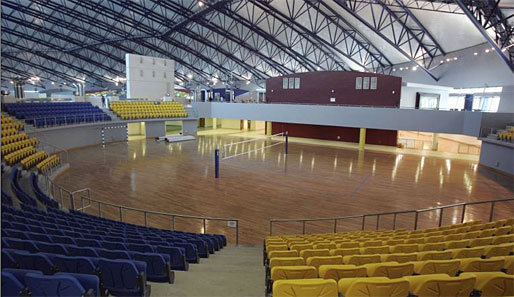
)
(119, 274)
(399, 257)
(61, 285)
(286, 261)
(324, 260)
(305, 288)
(155, 263)
(371, 287)
(450, 267)
(11, 286)
(274, 254)
(337, 272)
(293, 272)
(74, 264)
(113, 254)
(390, 270)
(481, 265)
(361, 259)
(34, 262)
(314, 252)
(451, 286)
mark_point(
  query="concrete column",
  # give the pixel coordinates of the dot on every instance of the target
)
(214, 123)
(268, 128)
(362, 138)
(435, 141)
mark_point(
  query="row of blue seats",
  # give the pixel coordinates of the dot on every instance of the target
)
(36, 242)
(117, 277)
(6, 199)
(157, 266)
(86, 229)
(24, 282)
(42, 121)
(23, 196)
(40, 195)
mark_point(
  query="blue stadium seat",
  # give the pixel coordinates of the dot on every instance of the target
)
(113, 254)
(8, 260)
(56, 285)
(11, 286)
(124, 277)
(157, 266)
(54, 248)
(177, 257)
(37, 261)
(19, 244)
(81, 251)
(74, 264)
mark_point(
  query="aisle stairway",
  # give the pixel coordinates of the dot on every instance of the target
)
(234, 272)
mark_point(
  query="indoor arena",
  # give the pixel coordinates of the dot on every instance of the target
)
(287, 148)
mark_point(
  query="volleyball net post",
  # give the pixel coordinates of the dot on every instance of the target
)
(227, 150)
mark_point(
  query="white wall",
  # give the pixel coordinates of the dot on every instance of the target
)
(408, 95)
(498, 155)
(149, 77)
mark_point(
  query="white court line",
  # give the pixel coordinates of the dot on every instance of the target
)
(225, 158)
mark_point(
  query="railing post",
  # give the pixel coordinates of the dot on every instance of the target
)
(72, 201)
(303, 227)
(237, 232)
(463, 213)
(173, 221)
(121, 214)
(394, 221)
(145, 218)
(270, 228)
(204, 226)
(335, 225)
(363, 222)
(287, 143)
(378, 221)
(100, 209)
(491, 212)
(441, 217)
(216, 163)
(416, 221)
(82, 203)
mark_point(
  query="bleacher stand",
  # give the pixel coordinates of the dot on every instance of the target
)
(51, 114)
(148, 110)
(468, 259)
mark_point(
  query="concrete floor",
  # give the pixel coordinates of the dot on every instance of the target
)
(231, 272)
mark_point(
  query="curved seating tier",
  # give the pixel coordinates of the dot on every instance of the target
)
(50, 114)
(459, 260)
(148, 110)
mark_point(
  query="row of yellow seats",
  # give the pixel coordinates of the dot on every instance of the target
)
(48, 163)
(14, 138)
(9, 132)
(506, 136)
(11, 147)
(121, 103)
(454, 231)
(6, 119)
(487, 283)
(393, 269)
(12, 125)
(148, 109)
(18, 155)
(130, 116)
(33, 159)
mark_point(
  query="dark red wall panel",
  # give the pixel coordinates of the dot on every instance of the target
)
(319, 87)
(346, 134)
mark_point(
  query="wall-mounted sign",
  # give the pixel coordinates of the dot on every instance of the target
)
(358, 83)
(332, 99)
(297, 83)
(365, 83)
(373, 83)
(285, 83)
(291, 82)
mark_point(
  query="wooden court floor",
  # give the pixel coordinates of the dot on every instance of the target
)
(311, 181)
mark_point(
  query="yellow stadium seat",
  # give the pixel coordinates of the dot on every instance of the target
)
(361, 259)
(498, 250)
(481, 241)
(471, 235)
(476, 252)
(415, 241)
(492, 284)
(281, 247)
(301, 247)
(487, 233)
(439, 246)
(399, 257)
(503, 239)
(481, 265)
(372, 250)
(324, 260)
(432, 285)
(305, 288)
(347, 245)
(434, 255)
(337, 272)
(345, 252)
(394, 242)
(371, 243)
(286, 261)
(434, 239)
(389, 269)
(502, 230)
(404, 248)
(314, 252)
(457, 244)
(450, 267)
(329, 246)
(508, 265)
(454, 237)
(373, 286)
(293, 272)
(282, 254)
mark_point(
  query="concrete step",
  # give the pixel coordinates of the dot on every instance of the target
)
(231, 272)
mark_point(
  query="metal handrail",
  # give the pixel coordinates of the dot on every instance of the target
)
(146, 212)
(75, 117)
(395, 213)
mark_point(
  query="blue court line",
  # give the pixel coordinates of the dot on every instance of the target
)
(359, 186)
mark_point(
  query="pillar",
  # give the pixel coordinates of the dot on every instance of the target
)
(435, 141)
(362, 138)
(214, 123)
(268, 128)
(18, 89)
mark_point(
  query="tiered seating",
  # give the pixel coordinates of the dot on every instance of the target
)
(119, 256)
(48, 163)
(14, 146)
(49, 114)
(455, 260)
(33, 159)
(507, 134)
(18, 155)
(148, 110)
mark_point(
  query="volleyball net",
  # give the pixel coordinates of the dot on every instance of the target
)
(246, 147)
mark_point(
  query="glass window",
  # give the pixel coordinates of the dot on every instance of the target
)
(486, 103)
